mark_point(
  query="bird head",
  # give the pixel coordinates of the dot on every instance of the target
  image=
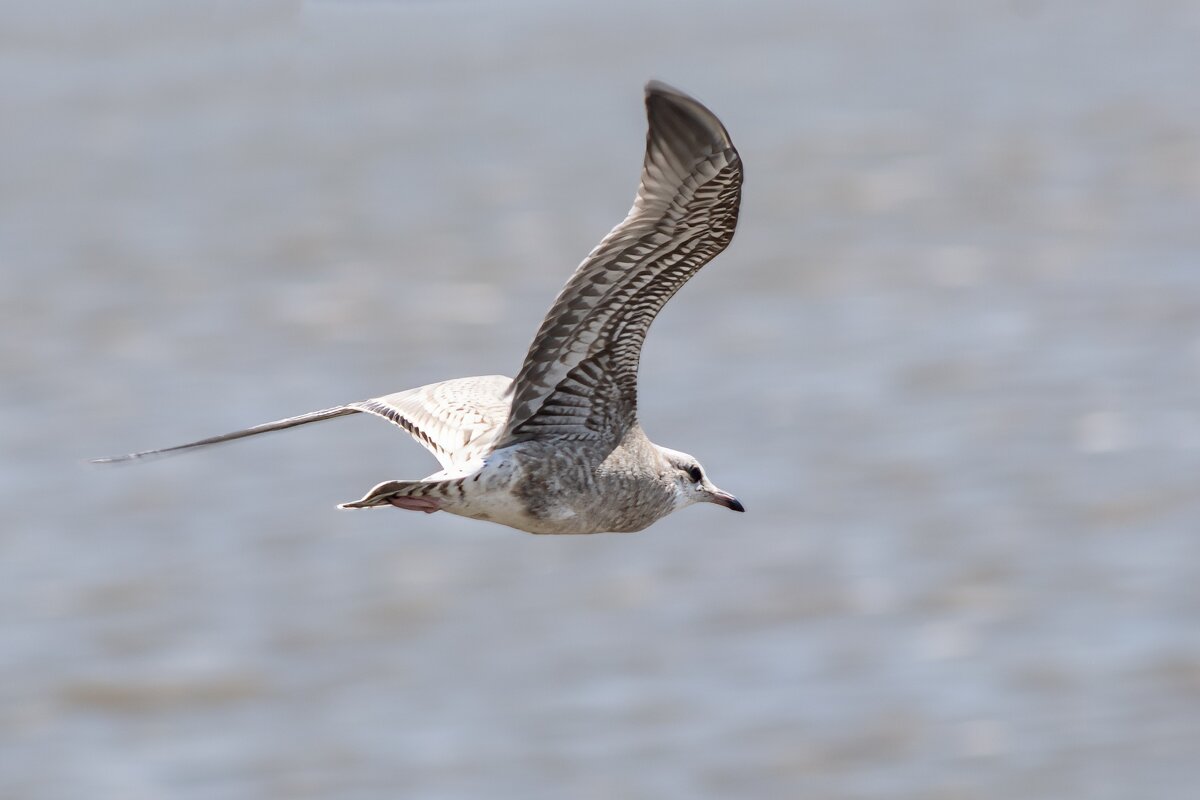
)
(692, 484)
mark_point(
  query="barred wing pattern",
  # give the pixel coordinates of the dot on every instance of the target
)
(579, 379)
(456, 420)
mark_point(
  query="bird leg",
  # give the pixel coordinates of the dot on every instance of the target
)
(427, 504)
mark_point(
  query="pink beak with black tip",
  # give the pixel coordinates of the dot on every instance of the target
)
(729, 501)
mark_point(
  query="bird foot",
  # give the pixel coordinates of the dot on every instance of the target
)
(427, 504)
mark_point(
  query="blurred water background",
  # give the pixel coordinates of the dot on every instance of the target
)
(950, 364)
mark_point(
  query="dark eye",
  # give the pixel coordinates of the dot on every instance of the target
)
(694, 473)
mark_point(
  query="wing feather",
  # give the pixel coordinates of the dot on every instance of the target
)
(579, 378)
(456, 420)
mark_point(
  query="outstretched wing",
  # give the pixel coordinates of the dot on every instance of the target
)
(579, 379)
(456, 420)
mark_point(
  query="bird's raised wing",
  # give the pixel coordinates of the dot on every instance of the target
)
(579, 379)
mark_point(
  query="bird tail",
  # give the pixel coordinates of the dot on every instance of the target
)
(426, 495)
(266, 427)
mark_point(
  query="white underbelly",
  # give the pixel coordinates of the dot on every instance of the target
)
(489, 495)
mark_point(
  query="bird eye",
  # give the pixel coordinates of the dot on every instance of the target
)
(694, 473)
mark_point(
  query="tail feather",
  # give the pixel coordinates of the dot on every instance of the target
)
(382, 493)
(266, 427)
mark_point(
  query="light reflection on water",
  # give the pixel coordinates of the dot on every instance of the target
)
(949, 364)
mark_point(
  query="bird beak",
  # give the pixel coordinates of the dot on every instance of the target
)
(726, 499)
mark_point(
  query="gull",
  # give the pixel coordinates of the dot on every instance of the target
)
(559, 448)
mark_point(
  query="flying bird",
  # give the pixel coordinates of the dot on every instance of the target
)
(559, 448)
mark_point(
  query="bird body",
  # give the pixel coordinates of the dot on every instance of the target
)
(559, 449)
(541, 487)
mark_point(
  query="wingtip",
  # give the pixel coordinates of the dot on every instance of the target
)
(700, 115)
(657, 88)
(109, 459)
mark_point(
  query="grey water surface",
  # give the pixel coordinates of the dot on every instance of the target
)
(951, 364)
